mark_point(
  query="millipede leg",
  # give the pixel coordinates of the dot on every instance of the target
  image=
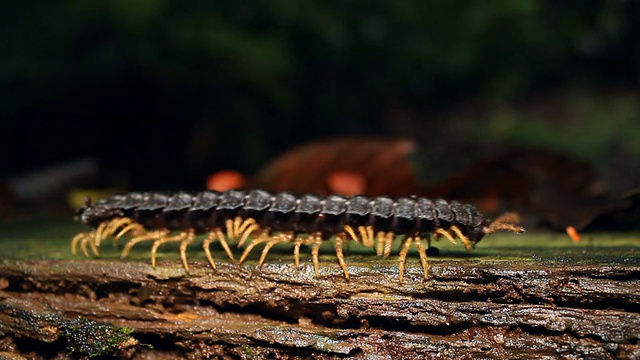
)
(443, 232)
(296, 251)
(366, 233)
(240, 226)
(340, 255)
(124, 223)
(237, 222)
(245, 224)
(402, 258)
(156, 244)
(98, 235)
(94, 248)
(229, 225)
(370, 234)
(276, 239)
(89, 239)
(205, 246)
(423, 256)
(152, 235)
(247, 232)
(78, 239)
(111, 227)
(247, 228)
(257, 241)
(225, 246)
(183, 248)
(388, 240)
(116, 223)
(315, 250)
(135, 229)
(83, 245)
(380, 242)
(351, 233)
(265, 250)
(464, 239)
(300, 241)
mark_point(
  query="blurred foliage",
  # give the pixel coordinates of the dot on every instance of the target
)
(600, 130)
(605, 124)
(204, 85)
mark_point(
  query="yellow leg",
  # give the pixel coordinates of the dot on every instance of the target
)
(402, 258)
(388, 240)
(276, 240)
(340, 255)
(89, 239)
(380, 242)
(366, 233)
(151, 235)
(156, 244)
(267, 247)
(74, 242)
(94, 248)
(464, 239)
(114, 224)
(225, 245)
(315, 250)
(216, 233)
(83, 245)
(133, 228)
(205, 246)
(446, 234)
(247, 227)
(245, 224)
(349, 230)
(229, 226)
(264, 236)
(237, 221)
(183, 248)
(99, 234)
(121, 222)
(247, 232)
(79, 239)
(107, 229)
(296, 248)
(239, 224)
(423, 256)
(296, 251)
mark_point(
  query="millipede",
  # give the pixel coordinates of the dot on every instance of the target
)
(259, 217)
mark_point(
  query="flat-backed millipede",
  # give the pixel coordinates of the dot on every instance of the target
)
(283, 217)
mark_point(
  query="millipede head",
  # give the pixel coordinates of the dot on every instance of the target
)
(81, 210)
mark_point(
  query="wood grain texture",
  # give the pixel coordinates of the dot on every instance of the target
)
(467, 309)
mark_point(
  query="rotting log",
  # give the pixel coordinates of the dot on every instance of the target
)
(466, 309)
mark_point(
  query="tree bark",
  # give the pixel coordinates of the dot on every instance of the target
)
(466, 309)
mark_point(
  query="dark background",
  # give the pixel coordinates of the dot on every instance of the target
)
(169, 92)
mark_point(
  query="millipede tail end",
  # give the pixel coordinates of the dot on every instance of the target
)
(505, 222)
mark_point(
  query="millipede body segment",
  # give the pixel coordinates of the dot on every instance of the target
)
(257, 217)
